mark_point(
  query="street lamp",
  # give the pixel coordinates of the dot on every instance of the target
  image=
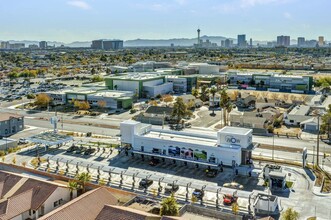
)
(318, 139)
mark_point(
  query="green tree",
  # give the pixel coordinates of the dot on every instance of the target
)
(204, 96)
(82, 105)
(195, 93)
(290, 214)
(42, 100)
(72, 186)
(97, 78)
(169, 206)
(180, 110)
(82, 179)
(213, 91)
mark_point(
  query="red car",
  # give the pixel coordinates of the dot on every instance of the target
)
(229, 199)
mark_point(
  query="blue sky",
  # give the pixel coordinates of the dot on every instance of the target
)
(84, 20)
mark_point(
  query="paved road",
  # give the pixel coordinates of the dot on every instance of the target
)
(87, 123)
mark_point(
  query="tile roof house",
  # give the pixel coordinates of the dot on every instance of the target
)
(124, 213)
(27, 198)
(85, 207)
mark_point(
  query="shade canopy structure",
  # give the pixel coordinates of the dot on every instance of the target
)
(176, 158)
(49, 138)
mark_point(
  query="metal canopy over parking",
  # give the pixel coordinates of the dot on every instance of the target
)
(49, 138)
(176, 158)
(184, 182)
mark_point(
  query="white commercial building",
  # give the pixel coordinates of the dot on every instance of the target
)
(229, 146)
(205, 68)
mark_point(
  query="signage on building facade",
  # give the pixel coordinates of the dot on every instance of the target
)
(232, 140)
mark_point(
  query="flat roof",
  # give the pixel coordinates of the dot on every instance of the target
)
(113, 93)
(137, 76)
(181, 138)
(235, 130)
(300, 110)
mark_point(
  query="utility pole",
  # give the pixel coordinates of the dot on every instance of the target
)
(318, 139)
(273, 146)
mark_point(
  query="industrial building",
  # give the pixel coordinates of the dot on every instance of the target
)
(271, 82)
(182, 84)
(142, 84)
(230, 146)
(112, 98)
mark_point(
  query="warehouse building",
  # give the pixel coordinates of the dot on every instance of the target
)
(271, 82)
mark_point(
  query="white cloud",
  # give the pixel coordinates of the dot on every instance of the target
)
(236, 5)
(79, 4)
(287, 15)
(181, 2)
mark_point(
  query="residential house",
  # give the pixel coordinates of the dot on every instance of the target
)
(245, 100)
(99, 204)
(155, 115)
(85, 207)
(120, 212)
(10, 124)
(297, 115)
(264, 103)
(310, 125)
(247, 119)
(26, 198)
(190, 98)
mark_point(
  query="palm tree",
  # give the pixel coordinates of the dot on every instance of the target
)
(72, 186)
(169, 206)
(213, 91)
(225, 104)
(82, 179)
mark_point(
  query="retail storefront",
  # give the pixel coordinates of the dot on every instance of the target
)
(229, 146)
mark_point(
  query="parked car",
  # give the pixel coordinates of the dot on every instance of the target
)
(23, 141)
(145, 183)
(198, 193)
(171, 188)
(228, 199)
(211, 172)
(154, 162)
(72, 149)
(80, 150)
(89, 151)
(327, 141)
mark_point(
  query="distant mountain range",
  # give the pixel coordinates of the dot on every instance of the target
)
(134, 43)
(175, 41)
(148, 42)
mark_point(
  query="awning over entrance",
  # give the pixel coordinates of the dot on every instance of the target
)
(175, 158)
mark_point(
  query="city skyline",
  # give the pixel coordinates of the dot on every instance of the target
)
(77, 20)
